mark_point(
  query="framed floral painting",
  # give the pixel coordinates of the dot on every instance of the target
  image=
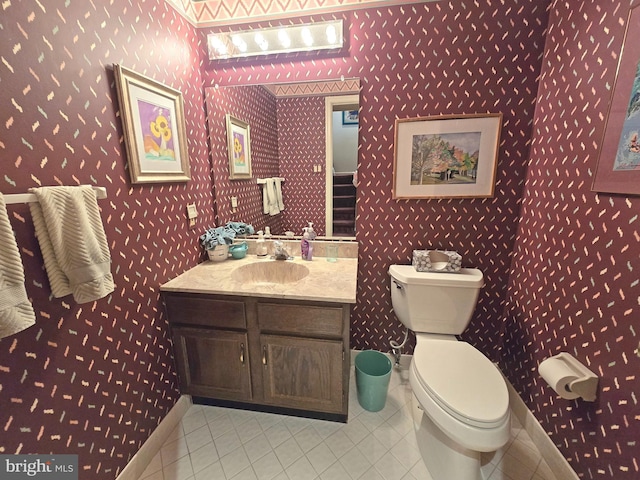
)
(239, 147)
(154, 128)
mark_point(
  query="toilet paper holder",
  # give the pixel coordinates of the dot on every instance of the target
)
(581, 382)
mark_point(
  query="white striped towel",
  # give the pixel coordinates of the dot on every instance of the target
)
(73, 242)
(16, 311)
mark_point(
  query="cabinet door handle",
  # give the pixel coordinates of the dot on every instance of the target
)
(264, 354)
(242, 353)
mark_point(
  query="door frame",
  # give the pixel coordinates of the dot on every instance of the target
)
(332, 104)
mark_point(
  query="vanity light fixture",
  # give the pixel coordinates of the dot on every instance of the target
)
(272, 40)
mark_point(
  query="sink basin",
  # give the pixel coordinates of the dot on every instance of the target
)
(270, 272)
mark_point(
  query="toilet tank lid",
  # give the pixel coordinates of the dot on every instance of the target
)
(465, 278)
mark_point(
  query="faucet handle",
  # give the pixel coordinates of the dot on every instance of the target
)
(279, 252)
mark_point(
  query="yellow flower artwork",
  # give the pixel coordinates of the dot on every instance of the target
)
(158, 143)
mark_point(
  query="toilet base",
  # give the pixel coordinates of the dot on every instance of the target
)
(444, 458)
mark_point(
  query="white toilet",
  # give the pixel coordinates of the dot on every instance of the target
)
(462, 405)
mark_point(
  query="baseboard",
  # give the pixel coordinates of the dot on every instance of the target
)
(556, 461)
(152, 446)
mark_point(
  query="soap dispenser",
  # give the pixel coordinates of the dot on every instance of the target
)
(312, 233)
(312, 236)
(261, 246)
(305, 244)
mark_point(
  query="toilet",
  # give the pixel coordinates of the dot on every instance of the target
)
(461, 401)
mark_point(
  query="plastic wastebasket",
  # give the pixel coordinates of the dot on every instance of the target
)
(373, 371)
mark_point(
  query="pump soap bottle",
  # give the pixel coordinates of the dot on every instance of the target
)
(305, 244)
(307, 238)
(261, 246)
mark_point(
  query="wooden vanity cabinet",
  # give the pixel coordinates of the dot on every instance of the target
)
(303, 355)
(213, 365)
(211, 346)
(285, 354)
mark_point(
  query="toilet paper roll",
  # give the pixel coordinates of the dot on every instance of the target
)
(559, 375)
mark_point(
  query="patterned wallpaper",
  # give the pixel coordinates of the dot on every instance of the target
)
(97, 379)
(301, 129)
(575, 281)
(94, 379)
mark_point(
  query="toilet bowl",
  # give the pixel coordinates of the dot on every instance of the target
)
(461, 391)
(461, 401)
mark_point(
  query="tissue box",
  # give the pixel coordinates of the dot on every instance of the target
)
(436, 261)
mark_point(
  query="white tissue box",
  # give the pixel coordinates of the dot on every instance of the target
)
(436, 261)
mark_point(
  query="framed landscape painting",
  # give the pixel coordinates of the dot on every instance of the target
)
(446, 156)
(154, 128)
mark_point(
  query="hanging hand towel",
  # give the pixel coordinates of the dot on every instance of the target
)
(278, 187)
(271, 196)
(16, 311)
(266, 207)
(73, 243)
(265, 198)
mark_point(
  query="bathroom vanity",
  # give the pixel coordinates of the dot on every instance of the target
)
(265, 334)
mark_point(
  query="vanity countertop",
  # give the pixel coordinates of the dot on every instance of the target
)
(326, 281)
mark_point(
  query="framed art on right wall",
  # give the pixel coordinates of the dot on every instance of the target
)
(618, 169)
(446, 156)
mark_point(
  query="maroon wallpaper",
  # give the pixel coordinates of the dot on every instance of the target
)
(94, 379)
(574, 284)
(301, 129)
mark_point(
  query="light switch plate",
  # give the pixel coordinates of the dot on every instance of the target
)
(192, 212)
(234, 202)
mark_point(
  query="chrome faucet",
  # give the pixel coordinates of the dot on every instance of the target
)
(279, 252)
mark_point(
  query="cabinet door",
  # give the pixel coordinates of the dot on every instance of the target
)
(213, 363)
(302, 373)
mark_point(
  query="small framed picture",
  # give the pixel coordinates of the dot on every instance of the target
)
(239, 146)
(154, 128)
(350, 117)
(446, 156)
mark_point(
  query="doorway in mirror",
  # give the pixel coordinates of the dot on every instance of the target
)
(341, 121)
(344, 205)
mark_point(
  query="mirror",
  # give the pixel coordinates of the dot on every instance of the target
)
(303, 133)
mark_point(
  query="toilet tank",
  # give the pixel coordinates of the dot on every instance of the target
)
(431, 302)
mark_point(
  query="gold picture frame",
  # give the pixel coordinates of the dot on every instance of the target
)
(446, 156)
(239, 147)
(154, 128)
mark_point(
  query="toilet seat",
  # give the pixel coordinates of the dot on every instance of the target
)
(462, 381)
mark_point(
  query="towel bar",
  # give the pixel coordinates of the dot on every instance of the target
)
(101, 192)
(262, 181)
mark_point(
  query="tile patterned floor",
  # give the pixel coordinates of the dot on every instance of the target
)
(214, 443)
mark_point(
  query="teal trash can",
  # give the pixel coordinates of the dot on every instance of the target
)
(373, 371)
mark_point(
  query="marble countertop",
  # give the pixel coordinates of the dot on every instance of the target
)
(326, 281)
